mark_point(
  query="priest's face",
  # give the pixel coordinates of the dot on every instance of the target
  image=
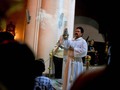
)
(78, 33)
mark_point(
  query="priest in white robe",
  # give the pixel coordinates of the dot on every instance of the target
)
(75, 50)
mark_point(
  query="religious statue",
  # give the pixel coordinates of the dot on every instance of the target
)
(11, 28)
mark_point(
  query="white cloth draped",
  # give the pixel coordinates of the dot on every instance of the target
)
(73, 61)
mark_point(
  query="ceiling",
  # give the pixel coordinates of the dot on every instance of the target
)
(99, 10)
(102, 11)
(8, 7)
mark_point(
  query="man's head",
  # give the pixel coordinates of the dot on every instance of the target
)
(39, 67)
(78, 32)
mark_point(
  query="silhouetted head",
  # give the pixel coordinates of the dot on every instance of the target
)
(16, 66)
(39, 67)
(6, 36)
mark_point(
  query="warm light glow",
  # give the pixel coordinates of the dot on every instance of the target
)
(15, 6)
(16, 36)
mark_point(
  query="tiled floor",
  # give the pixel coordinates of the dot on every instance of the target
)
(57, 83)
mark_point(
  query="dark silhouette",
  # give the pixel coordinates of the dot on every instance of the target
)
(16, 66)
(6, 36)
(41, 82)
(58, 62)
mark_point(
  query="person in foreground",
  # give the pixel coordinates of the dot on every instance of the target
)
(76, 49)
(41, 82)
(16, 66)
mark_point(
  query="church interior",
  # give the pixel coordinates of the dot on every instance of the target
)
(31, 24)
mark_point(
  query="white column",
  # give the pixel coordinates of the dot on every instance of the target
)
(37, 25)
(32, 28)
(48, 30)
(71, 15)
(61, 15)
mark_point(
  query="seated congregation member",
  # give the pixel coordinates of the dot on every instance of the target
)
(16, 66)
(92, 52)
(41, 82)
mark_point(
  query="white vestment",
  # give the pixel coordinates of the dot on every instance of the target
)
(73, 59)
